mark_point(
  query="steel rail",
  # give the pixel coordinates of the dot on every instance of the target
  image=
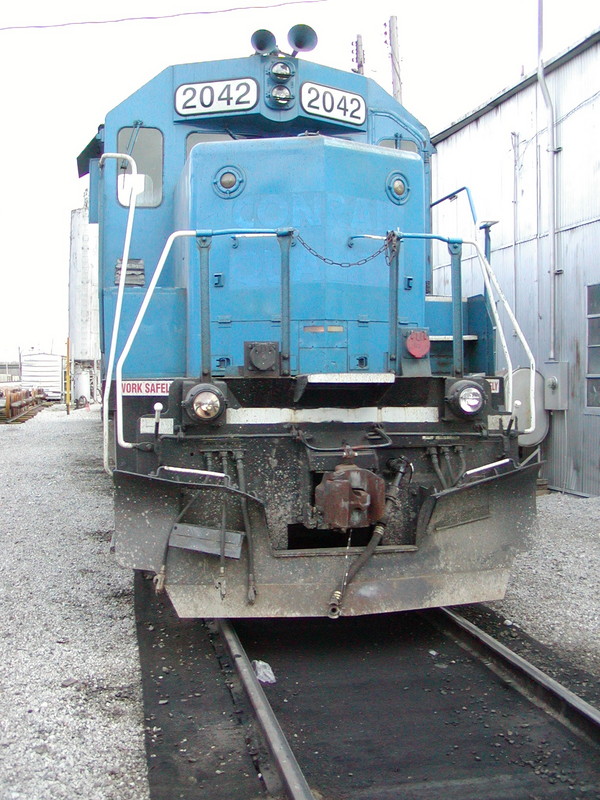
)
(290, 773)
(561, 700)
(24, 416)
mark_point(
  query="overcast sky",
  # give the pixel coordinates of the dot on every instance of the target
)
(59, 82)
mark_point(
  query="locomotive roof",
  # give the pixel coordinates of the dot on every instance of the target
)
(242, 91)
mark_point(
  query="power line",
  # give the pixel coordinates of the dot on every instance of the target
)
(163, 16)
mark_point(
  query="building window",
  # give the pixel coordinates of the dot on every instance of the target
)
(593, 346)
(145, 145)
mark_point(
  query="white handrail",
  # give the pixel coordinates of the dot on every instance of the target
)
(502, 337)
(119, 304)
(490, 280)
(133, 333)
(489, 277)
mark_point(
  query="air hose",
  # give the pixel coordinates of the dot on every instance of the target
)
(391, 498)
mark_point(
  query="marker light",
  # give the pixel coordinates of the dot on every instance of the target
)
(228, 180)
(466, 399)
(418, 344)
(205, 403)
(398, 187)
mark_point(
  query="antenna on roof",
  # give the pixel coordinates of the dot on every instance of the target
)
(394, 55)
(359, 55)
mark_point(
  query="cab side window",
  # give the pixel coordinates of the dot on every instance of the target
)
(145, 145)
(197, 137)
(397, 143)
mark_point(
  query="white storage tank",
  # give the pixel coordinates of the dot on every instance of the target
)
(84, 332)
(83, 288)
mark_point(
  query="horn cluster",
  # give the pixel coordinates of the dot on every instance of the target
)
(300, 38)
(263, 42)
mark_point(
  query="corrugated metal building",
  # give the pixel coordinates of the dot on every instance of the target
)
(503, 150)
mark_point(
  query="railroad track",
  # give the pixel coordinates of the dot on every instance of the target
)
(17, 406)
(23, 417)
(409, 706)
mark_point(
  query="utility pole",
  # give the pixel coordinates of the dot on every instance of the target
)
(68, 377)
(359, 55)
(395, 57)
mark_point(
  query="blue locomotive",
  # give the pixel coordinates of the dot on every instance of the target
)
(301, 427)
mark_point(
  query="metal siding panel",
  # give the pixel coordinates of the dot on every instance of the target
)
(579, 166)
(572, 452)
(590, 450)
(577, 448)
(482, 156)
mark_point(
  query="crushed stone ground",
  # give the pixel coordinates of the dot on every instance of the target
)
(72, 722)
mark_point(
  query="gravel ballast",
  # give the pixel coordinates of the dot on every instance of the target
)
(72, 722)
(553, 593)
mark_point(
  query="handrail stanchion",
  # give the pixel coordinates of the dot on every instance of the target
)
(284, 238)
(394, 261)
(204, 243)
(458, 350)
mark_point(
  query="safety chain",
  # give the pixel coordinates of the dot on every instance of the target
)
(389, 246)
(391, 243)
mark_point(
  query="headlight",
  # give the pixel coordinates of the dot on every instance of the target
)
(470, 400)
(281, 94)
(204, 403)
(466, 399)
(281, 71)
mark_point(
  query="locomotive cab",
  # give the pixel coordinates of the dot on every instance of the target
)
(302, 427)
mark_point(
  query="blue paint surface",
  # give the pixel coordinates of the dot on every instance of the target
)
(328, 179)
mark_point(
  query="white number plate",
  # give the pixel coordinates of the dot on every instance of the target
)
(216, 97)
(325, 101)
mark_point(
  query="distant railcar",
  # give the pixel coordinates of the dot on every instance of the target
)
(302, 427)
